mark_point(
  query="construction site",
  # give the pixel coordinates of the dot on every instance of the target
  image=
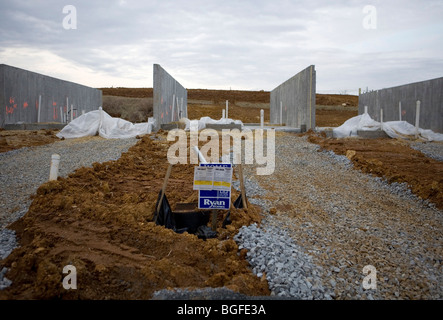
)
(333, 213)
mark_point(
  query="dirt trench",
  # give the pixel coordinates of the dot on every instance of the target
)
(99, 220)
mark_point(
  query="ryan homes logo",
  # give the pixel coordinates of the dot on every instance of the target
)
(253, 144)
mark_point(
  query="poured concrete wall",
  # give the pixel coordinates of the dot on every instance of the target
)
(19, 97)
(429, 93)
(166, 92)
(297, 97)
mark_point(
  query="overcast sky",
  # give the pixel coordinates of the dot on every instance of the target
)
(242, 45)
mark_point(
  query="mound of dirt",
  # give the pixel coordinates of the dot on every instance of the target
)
(392, 159)
(333, 118)
(99, 220)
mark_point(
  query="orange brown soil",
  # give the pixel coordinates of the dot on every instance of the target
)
(336, 99)
(15, 139)
(194, 94)
(392, 159)
(333, 118)
(245, 114)
(99, 219)
(220, 96)
(243, 105)
(246, 105)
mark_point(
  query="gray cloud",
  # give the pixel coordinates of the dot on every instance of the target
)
(221, 44)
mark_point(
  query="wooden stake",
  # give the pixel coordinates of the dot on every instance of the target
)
(214, 220)
(165, 183)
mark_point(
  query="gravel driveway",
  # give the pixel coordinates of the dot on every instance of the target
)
(331, 221)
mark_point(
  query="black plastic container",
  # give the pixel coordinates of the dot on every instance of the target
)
(186, 215)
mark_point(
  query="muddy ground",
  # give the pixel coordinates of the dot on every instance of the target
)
(100, 220)
(246, 114)
(325, 115)
(16, 139)
(335, 116)
(392, 159)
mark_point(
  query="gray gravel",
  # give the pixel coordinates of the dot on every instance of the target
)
(431, 149)
(198, 294)
(332, 221)
(290, 272)
(25, 169)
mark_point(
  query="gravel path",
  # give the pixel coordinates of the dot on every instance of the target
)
(326, 221)
(331, 221)
(25, 169)
(431, 149)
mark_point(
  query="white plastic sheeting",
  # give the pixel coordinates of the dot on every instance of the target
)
(350, 127)
(101, 123)
(394, 129)
(405, 130)
(201, 124)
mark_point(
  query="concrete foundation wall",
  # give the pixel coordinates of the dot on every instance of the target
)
(166, 88)
(297, 96)
(429, 93)
(19, 97)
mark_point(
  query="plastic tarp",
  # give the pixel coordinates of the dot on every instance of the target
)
(164, 216)
(405, 130)
(394, 129)
(351, 126)
(101, 123)
(201, 124)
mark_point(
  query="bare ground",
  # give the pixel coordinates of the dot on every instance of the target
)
(107, 233)
(100, 220)
(392, 159)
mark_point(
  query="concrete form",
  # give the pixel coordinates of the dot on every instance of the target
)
(29, 97)
(220, 127)
(376, 134)
(170, 98)
(293, 102)
(256, 126)
(399, 103)
(34, 126)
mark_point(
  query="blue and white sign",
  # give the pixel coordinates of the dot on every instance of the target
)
(217, 199)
